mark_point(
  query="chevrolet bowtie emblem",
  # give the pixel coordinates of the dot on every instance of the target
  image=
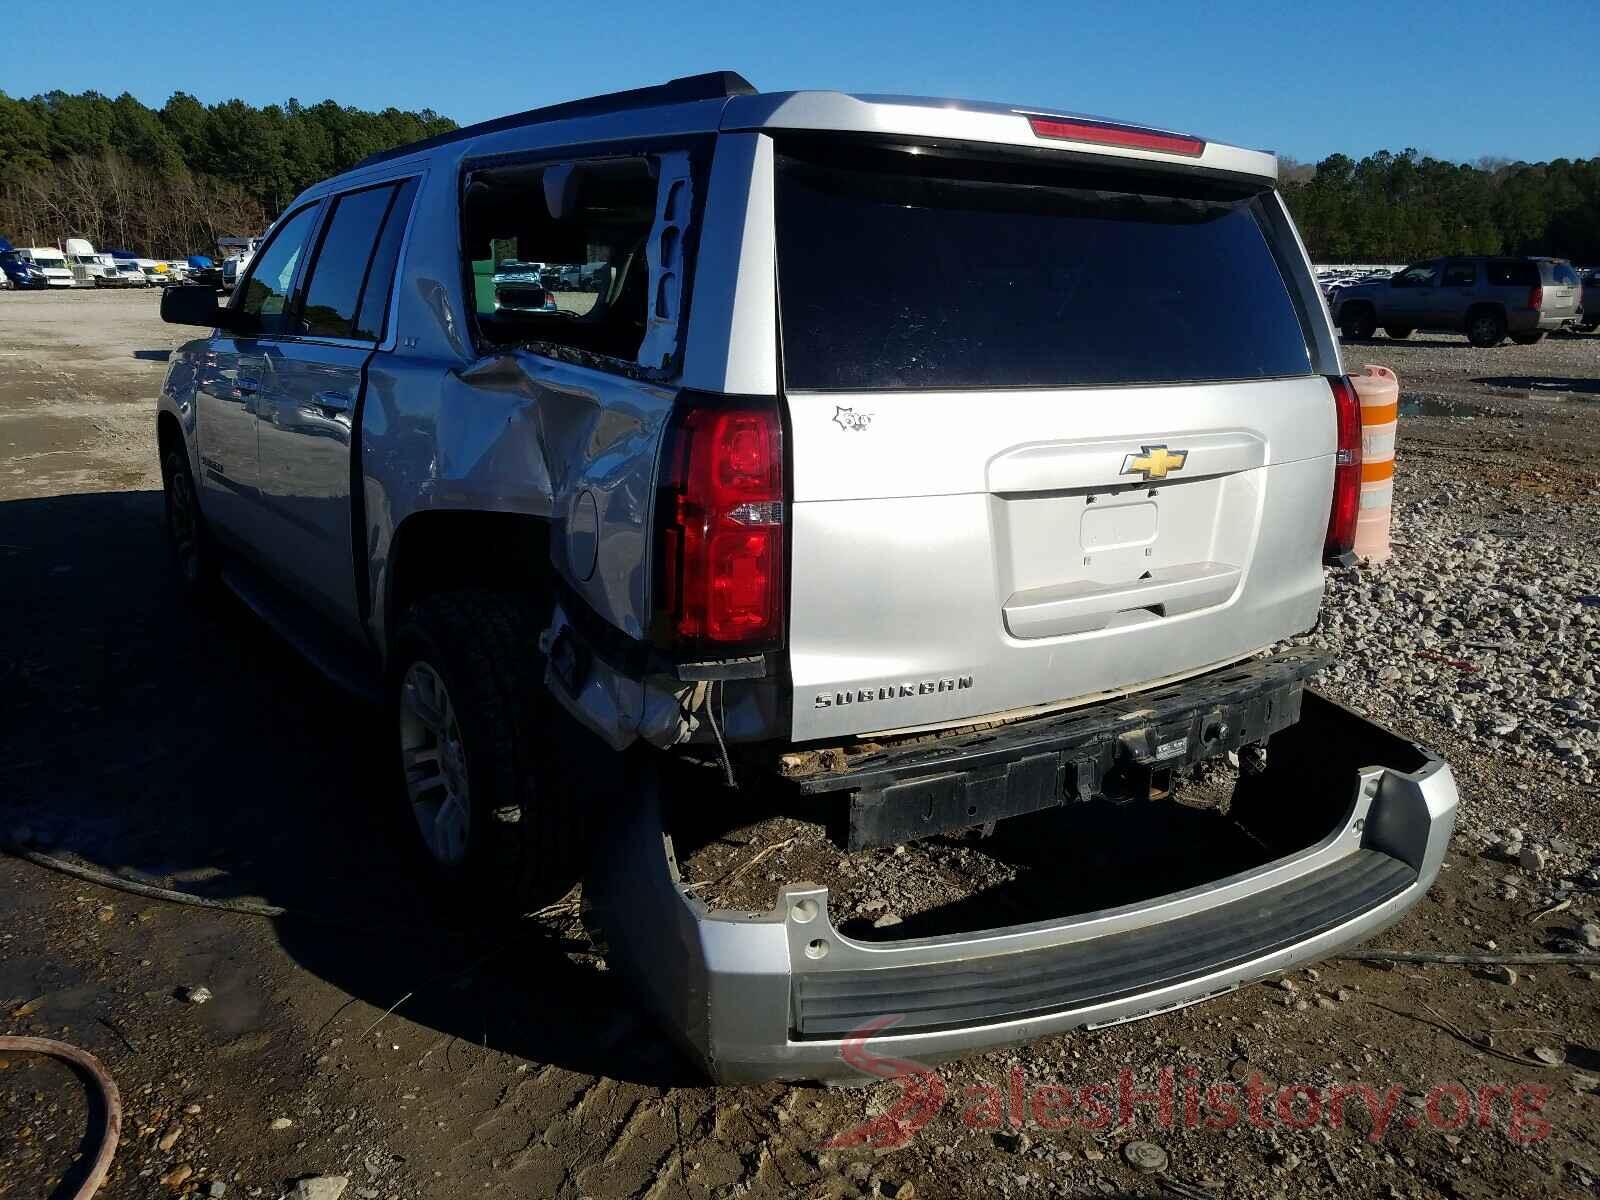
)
(1153, 462)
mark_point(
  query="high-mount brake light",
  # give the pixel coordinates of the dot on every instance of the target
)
(722, 525)
(1346, 472)
(1127, 136)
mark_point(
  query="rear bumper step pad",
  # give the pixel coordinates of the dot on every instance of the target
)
(1006, 987)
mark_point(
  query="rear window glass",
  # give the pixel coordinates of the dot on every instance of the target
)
(900, 272)
(1562, 274)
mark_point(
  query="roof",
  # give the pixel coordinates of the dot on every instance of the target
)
(713, 85)
(918, 117)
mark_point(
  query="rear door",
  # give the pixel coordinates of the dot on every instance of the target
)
(315, 379)
(1054, 434)
(1457, 290)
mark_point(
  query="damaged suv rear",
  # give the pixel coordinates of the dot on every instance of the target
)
(909, 465)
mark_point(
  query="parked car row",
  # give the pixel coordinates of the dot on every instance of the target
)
(1332, 279)
(81, 265)
(1488, 298)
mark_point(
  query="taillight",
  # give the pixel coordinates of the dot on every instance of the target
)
(1347, 470)
(721, 522)
(1536, 296)
(1103, 133)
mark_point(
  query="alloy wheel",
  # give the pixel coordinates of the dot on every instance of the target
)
(435, 763)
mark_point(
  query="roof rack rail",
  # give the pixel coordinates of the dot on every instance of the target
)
(713, 85)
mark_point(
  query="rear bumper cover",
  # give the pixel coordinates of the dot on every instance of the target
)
(776, 995)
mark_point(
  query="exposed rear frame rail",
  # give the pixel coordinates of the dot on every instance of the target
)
(1126, 746)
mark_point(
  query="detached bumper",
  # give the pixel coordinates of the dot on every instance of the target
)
(775, 996)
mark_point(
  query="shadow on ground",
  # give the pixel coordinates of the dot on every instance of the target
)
(153, 355)
(186, 746)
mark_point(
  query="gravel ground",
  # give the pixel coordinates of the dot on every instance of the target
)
(389, 1041)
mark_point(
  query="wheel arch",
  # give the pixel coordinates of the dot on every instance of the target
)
(446, 550)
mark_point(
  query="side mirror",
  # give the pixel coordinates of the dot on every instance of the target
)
(188, 304)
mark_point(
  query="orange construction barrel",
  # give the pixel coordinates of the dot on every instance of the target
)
(1379, 392)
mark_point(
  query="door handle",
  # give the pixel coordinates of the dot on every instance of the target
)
(332, 402)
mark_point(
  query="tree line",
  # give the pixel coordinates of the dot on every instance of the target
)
(1394, 208)
(167, 182)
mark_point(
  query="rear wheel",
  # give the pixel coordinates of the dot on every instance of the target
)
(1399, 332)
(493, 822)
(1358, 321)
(1528, 339)
(1486, 328)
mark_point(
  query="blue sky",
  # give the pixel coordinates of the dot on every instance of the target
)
(1456, 79)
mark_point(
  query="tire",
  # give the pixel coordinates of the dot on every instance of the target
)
(1398, 332)
(1528, 339)
(477, 785)
(1486, 328)
(1358, 321)
(193, 554)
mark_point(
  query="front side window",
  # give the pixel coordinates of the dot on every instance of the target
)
(1420, 276)
(574, 235)
(901, 271)
(263, 308)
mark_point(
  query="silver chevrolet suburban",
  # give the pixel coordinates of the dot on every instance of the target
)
(924, 463)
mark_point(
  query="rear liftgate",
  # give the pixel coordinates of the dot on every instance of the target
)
(777, 995)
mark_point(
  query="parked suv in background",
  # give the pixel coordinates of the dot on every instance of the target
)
(916, 541)
(1484, 298)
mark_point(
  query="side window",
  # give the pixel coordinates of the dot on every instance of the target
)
(372, 316)
(265, 302)
(1461, 274)
(1421, 275)
(333, 296)
(1511, 272)
(558, 253)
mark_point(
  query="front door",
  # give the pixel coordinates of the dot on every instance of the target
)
(228, 388)
(315, 379)
(1412, 296)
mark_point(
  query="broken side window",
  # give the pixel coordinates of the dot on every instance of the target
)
(579, 259)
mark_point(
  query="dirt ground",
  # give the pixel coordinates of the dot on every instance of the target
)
(375, 1035)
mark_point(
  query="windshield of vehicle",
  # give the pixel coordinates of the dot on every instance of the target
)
(53, 263)
(911, 271)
